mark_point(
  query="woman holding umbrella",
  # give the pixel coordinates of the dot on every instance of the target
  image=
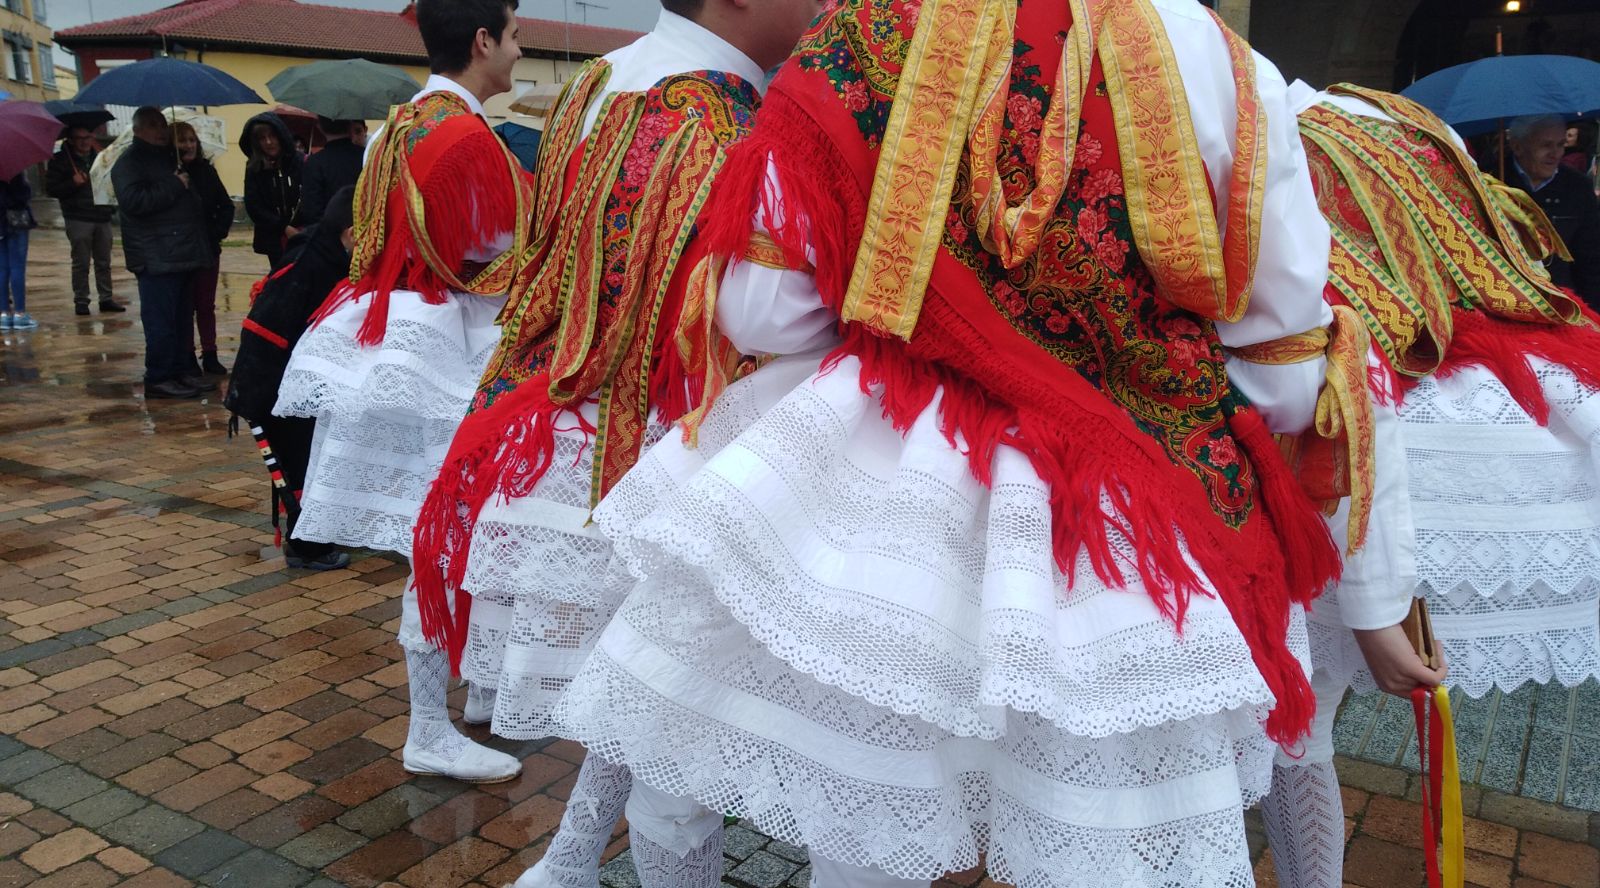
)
(218, 209)
(271, 183)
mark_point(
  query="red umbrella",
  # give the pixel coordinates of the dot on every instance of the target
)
(29, 133)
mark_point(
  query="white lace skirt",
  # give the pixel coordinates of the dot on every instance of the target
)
(543, 586)
(385, 414)
(838, 632)
(1507, 517)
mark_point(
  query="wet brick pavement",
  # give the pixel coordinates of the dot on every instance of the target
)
(177, 710)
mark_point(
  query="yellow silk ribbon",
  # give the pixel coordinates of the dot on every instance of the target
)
(1452, 859)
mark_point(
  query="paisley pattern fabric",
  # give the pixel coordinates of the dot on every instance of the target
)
(1085, 296)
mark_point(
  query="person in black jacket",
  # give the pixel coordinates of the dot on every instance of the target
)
(338, 164)
(271, 183)
(218, 209)
(88, 224)
(164, 241)
(1537, 144)
(16, 220)
(316, 261)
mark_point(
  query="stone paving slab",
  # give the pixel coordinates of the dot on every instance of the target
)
(175, 711)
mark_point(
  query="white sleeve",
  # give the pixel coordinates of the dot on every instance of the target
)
(1292, 263)
(773, 311)
(1376, 589)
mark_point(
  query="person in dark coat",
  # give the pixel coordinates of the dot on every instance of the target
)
(1537, 145)
(271, 183)
(218, 207)
(337, 165)
(316, 261)
(88, 224)
(164, 241)
(16, 220)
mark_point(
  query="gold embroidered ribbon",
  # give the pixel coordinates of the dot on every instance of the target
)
(765, 252)
(949, 106)
(1338, 458)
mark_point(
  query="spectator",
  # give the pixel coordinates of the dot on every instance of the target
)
(88, 224)
(17, 221)
(338, 164)
(1576, 155)
(202, 291)
(1537, 145)
(358, 133)
(317, 260)
(164, 241)
(271, 183)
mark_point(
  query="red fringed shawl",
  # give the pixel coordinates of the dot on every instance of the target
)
(600, 312)
(1073, 356)
(440, 186)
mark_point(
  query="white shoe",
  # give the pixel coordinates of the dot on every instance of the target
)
(480, 705)
(538, 876)
(475, 764)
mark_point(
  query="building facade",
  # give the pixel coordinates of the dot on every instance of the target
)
(30, 64)
(254, 40)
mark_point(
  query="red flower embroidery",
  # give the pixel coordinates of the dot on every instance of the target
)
(1223, 453)
(1024, 112)
(1058, 323)
(1100, 185)
(855, 95)
(1111, 252)
(1091, 222)
(1183, 327)
(1089, 151)
(957, 228)
(1009, 299)
(1030, 147)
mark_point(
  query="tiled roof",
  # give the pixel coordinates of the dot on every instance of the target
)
(288, 25)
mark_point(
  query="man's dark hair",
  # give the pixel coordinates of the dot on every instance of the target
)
(686, 8)
(333, 128)
(148, 115)
(449, 26)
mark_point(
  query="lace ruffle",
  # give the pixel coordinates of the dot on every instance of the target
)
(427, 365)
(877, 564)
(368, 476)
(1507, 518)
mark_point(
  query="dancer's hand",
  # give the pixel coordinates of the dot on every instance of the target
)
(1394, 662)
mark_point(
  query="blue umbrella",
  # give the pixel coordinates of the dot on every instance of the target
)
(1476, 97)
(523, 142)
(4, 95)
(165, 83)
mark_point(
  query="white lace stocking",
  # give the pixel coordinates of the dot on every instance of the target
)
(661, 867)
(596, 803)
(428, 672)
(1305, 825)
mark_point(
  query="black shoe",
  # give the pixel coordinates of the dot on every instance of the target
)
(331, 561)
(81, 311)
(211, 366)
(107, 307)
(199, 383)
(172, 388)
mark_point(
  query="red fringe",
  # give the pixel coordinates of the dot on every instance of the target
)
(501, 451)
(471, 200)
(1506, 349)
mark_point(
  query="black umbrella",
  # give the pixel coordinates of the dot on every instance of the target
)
(166, 83)
(72, 113)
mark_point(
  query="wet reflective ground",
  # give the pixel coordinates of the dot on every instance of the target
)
(176, 709)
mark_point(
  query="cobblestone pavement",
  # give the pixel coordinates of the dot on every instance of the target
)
(178, 709)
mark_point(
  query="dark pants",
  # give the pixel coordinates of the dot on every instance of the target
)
(202, 294)
(91, 244)
(163, 310)
(290, 439)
